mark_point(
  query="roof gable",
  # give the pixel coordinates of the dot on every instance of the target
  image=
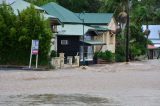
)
(65, 15)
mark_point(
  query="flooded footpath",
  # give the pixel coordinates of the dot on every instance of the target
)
(119, 84)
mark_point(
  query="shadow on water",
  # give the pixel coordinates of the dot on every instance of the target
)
(56, 100)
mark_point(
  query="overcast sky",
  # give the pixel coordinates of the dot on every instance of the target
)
(7, 1)
(154, 34)
(154, 30)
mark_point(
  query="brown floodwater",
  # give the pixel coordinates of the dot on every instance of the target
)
(56, 100)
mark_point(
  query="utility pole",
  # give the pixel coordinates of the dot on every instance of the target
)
(127, 34)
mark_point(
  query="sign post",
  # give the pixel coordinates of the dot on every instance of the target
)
(34, 51)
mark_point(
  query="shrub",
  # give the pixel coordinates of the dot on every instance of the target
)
(17, 32)
(107, 55)
(119, 58)
(53, 54)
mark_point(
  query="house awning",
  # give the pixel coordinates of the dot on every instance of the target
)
(92, 42)
(98, 30)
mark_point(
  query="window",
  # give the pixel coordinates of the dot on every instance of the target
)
(54, 28)
(111, 39)
(64, 42)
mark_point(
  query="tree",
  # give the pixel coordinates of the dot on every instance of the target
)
(137, 43)
(40, 2)
(32, 25)
(16, 33)
(81, 5)
(117, 6)
(140, 13)
(7, 22)
(73, 5)
(113, 6)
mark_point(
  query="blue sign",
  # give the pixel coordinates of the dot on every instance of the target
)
(35, 46)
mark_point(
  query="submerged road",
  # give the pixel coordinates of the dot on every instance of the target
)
(119, 84)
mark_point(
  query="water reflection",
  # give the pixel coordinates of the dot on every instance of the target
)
(56, 100)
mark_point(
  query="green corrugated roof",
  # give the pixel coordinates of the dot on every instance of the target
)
(96, 18)
(65, 15)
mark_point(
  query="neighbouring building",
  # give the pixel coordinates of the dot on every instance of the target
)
(154, 36)
(153, 52)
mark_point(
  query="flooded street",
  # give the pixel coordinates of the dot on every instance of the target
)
(119, 84)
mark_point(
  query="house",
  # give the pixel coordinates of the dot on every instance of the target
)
(104, 25)
(67, 36)
(101, 37)
(154, 36)
(82, 34)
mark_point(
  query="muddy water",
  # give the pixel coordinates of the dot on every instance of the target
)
(56, 100)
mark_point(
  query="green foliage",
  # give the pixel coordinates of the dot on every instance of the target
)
(120, 49)
(146, 11)
(17, 32)
(53, 54)
(7, 23)
(120, 58)
(33, 26)
(40, 2)
(107, 55)
(137, 43)
(81, 5)
(141, 11)
(113, 6)
(73, 5)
